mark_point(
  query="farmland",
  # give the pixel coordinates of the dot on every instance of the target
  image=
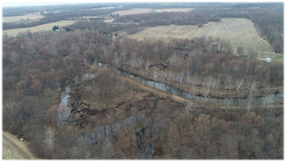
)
(238, 31)
(172, 31)
(14, 32)
(147, 10)
(33, 16)
(133, 11)
(175, 10)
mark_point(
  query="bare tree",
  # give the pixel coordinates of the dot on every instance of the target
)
(227, 102)
(206, 91)
(49, 138)
(173, 59)
(155, 72)
(117, 61)
(147, 64)
(193, 82)
(267, 100)
(132, 63)
(9, 106)
(251, 87)
(228, 81)
(180, 78)
(190, 106)
(208, 85)
(238, 84)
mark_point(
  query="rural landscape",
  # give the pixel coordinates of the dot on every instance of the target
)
(143, 81)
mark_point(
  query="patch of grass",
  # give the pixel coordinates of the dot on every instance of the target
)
(47, 27)
(273, 57)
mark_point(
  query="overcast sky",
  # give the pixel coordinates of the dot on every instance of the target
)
(41, 3)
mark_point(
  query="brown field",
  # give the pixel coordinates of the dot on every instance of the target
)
(174, 10)
(238, 31)
(45, 27)
(172, 31)
(133, 11)
(32, 16)
(148, 10)
(101, 8)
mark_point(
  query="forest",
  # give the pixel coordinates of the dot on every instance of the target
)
(68, 93)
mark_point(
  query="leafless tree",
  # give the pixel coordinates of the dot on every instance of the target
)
(206, 91)
(227, 102)
(9, 106)
(147, 64)
(155, 72)
(49, 138)
(267, 100)
(173, 59)
(228, 81)
(251, 87)
(190, 106)
(132, 63)
(117, 61)
(180, 79)
(249, 103)
(208, 85)
(193, 82)
(238, 84)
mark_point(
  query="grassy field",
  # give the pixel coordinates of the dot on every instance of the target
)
(14, 32)
(172, 31)
(238, 31)
(17, 149)
(32, 16)
(8, 152)
(273, 56)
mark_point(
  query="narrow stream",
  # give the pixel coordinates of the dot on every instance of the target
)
(101, 132)
(184, 94)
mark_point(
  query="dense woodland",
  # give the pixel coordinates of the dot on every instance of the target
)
(37, 68)
(34, 67)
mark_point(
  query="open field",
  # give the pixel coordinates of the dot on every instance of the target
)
(133, 11)
(109, 20)
(13, 148)
(274, 57)
(14, 32)
(172, 31)
(174, 10)
(238, 31)
(148, 10)
(32, 16)
(101, 8)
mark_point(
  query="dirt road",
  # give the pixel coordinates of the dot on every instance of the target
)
(13, 148)
(16, 148)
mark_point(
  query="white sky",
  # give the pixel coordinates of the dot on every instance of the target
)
(41, 3)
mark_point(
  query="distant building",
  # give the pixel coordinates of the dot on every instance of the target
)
(60, 29)
(266, 59)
